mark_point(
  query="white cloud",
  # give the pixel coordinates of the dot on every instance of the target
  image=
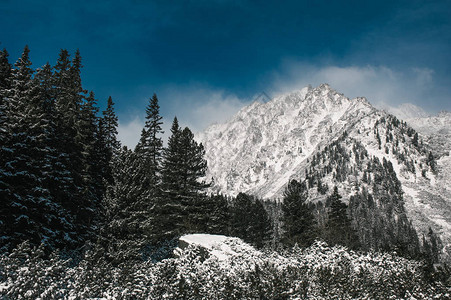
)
(198, 107)
(379, 84)
(130, 132)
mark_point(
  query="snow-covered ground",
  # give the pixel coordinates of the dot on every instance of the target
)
(220, 246)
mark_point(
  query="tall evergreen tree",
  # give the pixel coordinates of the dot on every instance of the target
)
(261, 227)
(169, 217)
(73, 115)
(107, 144)
(150, 146)
(5, 87)
(52, 173)
(5, 75)
(216, 215)
(182, 188)
(109, 127)
(15, 172)
(193, 165)
(127, 216)
(249, 220)
(297, 219)
(88, 135)
(69, 93)
(338, 228)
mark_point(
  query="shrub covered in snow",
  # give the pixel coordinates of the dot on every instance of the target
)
(229, 269)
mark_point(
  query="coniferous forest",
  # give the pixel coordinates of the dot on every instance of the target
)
(83, 217)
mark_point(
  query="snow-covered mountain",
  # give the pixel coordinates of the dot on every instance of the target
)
(266, 144)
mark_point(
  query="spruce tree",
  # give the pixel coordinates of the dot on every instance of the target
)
(17, 181)
(297, 219)
(5, 86)
(216, 214)
(169, 209)
(75, 140)
(52, 173)
(338, 227)
(87, 139)
(150, 146)
(182, 187)
(109, 127)
(261, 226)
(5, 75)
(127, 216)
(249, 220)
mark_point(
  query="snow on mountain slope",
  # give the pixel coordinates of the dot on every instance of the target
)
(436, 130)
(429, 202)
(267, 143)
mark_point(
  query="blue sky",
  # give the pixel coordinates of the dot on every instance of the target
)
(206, 59)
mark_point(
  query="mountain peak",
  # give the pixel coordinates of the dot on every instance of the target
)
(324, 86)
(267, 143)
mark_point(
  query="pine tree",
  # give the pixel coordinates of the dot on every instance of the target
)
(338, 228)
(127, 217)
(249, 220)
(150, 146)
(182, 189)
(216, 214)
(92, 176)
(109, 125)
(431, 162)
(298, 220)
(5, 87)
(5, 75)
